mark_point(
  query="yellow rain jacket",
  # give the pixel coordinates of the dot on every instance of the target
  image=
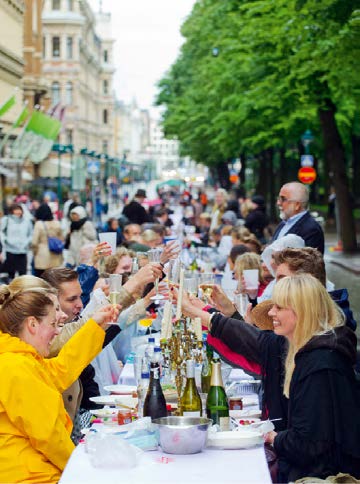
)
(35, 428)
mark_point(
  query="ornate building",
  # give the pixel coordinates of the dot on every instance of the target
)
(77, 63)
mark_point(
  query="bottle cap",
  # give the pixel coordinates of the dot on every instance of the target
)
(145, 374)
(151, 340)
(157, 349)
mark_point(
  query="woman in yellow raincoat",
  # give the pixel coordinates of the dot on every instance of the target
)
(35, 428)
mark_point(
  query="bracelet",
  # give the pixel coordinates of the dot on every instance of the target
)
(210, 320)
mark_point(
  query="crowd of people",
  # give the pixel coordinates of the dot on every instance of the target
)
(61, 341)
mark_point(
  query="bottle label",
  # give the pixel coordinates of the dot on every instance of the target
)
(156, 373)
(224, 423)
(192, 414)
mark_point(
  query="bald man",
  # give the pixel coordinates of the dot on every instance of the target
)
(293, 202)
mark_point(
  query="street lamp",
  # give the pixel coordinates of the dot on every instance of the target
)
(307, 138)
(60, 150)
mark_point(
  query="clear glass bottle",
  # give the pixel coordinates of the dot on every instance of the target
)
(217, 405)
(154, 404)
(142, 391)
(190, 401)
(206, 368)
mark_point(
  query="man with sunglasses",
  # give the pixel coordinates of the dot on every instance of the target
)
(293, 201)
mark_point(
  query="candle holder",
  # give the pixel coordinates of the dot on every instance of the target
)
(183, 345)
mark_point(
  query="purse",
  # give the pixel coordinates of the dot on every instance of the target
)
(54, 243)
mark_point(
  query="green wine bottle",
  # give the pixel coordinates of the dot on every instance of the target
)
(217, 406)
(190, 401)
(206, 369)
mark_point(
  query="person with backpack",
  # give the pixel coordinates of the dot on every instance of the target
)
(46, 227)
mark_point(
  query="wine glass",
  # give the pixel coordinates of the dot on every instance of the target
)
(115, 281)
(154, 258)
(173, 272)
(207, 282)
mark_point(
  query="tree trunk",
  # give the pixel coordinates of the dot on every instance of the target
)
(355, 141)
(223, 175)
(335, 154)
(242, 175)
(261, 186)
(283, 167)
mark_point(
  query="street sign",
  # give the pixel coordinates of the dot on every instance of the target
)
(93, 167)
(307, 160)
(307, 175)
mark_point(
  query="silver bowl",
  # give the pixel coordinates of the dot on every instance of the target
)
(183, 435)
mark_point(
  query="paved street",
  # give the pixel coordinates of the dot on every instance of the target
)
(344, 271)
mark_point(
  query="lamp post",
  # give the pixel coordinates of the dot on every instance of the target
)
(307, 138)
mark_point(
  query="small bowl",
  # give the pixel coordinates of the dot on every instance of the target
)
(183, 435)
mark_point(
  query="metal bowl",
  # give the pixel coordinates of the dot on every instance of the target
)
(183, 435)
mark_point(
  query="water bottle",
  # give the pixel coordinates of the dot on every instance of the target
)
(149, 350)
(142, 391)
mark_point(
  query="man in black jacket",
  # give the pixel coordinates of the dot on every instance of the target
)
(292, 201)
(134, 211)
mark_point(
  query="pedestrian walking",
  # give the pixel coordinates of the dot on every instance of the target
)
(45, 226)
(16, 235)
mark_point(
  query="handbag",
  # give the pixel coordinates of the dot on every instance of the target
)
(55, 244)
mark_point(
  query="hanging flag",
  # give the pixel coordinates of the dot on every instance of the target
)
(22, 117)
(18, 122)
(38, 137)
(4, 108)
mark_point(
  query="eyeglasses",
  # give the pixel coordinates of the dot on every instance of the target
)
(283, 199)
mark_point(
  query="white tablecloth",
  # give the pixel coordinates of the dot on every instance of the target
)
(209, 466)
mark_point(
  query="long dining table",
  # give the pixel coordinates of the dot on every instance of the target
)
(208, 467)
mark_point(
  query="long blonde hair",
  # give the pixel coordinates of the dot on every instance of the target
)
(249, 260)
(316, 314)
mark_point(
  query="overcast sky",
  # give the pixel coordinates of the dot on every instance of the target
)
(147, 35)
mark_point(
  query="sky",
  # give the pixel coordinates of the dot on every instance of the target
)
(147, 41)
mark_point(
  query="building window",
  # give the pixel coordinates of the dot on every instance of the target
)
(105, 146)
(56, 4)
(70, 5)
(106, 56)
(69, 93)
(105, 116)
(69, 136)
(105, 87)
(56, 46)
(55, 93)
(69, 47)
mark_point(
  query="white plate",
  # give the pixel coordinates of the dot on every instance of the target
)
(243, 439)
(246, 413)
(104, 412)
(113, 400)
(121, 389)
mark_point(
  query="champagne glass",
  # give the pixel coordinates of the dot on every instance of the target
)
(241, 302)
(207, 282)
(191, 285)
(173, 270)
(154, 258)
(115, 281)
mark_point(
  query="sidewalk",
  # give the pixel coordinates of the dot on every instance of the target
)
(350, 262)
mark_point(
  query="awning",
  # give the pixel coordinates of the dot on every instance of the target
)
(170, 183)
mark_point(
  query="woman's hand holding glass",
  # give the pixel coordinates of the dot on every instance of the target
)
(171, 251)
(221, 302)
(103, 249)
(107, 314)
(154, 258)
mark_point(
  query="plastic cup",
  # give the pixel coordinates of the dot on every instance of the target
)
(110, 238)
(251, 278)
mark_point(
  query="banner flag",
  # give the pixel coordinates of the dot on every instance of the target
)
(7, 105)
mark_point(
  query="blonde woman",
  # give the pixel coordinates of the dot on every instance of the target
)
(249, 260)
(323, 433)
(219, 208)
(309, 383)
